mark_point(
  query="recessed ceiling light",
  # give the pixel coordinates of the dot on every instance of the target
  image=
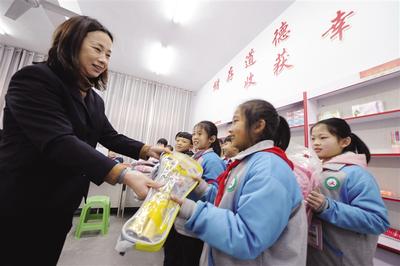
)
(2, 31)
(160, 59)
(72, 5)
(180, 11)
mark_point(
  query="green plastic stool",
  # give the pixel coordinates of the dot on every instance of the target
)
(94, 221)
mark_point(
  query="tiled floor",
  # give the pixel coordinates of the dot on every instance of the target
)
(97, 250)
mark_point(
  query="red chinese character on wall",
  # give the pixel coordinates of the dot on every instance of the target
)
(250, 59)
(230, 74)
(216, 85)
(338, 25)
(281, 62)
(281, 34)
(249, 81)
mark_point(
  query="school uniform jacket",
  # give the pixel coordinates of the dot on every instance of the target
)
(212, 167)
(356, 214)
(47, 157)
(261, 218)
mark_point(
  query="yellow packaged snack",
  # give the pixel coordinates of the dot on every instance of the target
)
(148, 228)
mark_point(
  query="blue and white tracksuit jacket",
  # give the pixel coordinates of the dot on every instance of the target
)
(354, 216)
(261, 219)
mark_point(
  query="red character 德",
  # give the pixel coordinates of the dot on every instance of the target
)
(281, 34)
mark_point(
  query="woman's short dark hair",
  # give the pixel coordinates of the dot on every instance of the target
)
(66, 46)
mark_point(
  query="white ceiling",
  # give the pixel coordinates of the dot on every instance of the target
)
(216, 33)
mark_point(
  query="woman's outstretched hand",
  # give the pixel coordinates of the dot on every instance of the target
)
(140, 183)
(156, 151)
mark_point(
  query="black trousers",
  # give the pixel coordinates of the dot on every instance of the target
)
(33, 239)
(180, 250)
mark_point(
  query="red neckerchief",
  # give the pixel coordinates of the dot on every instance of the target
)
(223, 176)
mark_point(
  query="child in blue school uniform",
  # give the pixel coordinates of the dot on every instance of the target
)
(175, 245)
(228, 150)
(350, 213)
(258, 216)
(187, 249)
(208, 152)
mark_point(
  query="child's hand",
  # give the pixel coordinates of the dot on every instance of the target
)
(197, 178)
(316, 201)
(176, 199)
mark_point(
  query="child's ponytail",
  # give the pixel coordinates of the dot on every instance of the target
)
(358, 146)
(282, 135)
(216, 147)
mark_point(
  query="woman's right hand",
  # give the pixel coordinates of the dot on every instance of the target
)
(140, 183)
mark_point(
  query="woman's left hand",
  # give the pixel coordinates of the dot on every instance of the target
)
(155, 151)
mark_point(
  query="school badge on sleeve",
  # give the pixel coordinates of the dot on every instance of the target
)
(331, 183)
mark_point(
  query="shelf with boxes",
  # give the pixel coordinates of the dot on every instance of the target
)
(390, 240)
(389, 243)
(370, 102)
(371, 105)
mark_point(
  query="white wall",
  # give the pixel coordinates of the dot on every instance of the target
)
(372, 39)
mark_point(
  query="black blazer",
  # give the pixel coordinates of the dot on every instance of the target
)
(47, 156)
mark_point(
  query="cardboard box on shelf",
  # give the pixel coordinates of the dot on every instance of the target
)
(367, 108)
(295, 118)
(395, 140)
(290, 118)
(298, 117)
(328, 114)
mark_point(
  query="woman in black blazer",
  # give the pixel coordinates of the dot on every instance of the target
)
(53, 120)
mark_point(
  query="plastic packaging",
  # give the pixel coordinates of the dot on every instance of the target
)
(148, 228)
(307, 168)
